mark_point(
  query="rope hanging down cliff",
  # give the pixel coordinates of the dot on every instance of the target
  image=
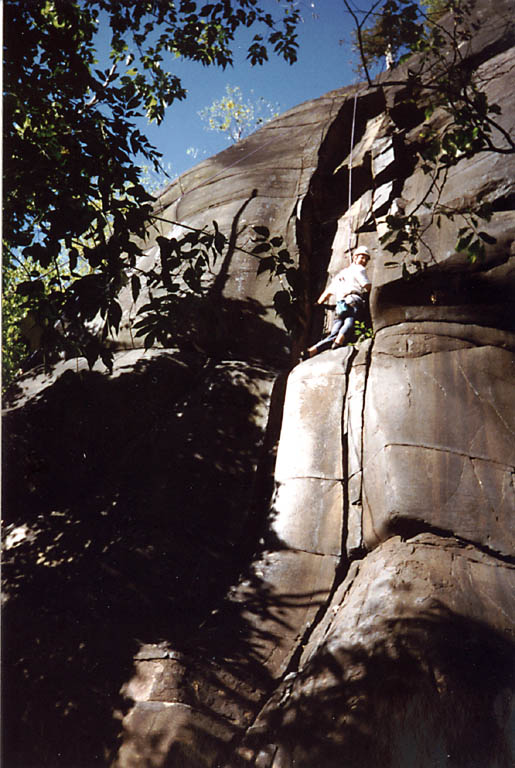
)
(351, 150)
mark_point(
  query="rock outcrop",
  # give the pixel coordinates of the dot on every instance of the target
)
(225, 568)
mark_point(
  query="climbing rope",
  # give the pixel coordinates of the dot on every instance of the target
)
(349, 202)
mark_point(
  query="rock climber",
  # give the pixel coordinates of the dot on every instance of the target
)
(349, 289)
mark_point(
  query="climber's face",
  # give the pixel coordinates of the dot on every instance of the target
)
(361, 259)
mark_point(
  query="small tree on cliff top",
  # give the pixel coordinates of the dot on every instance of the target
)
(236, 116)
(73, 193)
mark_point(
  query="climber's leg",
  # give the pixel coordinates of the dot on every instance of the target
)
(347, 326)
(344, 331)
(327, 342)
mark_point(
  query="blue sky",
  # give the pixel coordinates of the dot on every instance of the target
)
(323, 65)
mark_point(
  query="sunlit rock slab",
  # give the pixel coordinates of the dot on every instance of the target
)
(439, 448)
(307, 514)
(311, 433)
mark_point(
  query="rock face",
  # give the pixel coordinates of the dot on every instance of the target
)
(409, 665)
(210, 565)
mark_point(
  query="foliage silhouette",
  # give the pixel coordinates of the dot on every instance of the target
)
(73, 190)
(185, 291)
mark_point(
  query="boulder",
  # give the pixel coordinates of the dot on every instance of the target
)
(411, 665)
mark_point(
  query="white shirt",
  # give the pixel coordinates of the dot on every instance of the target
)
(352, 279)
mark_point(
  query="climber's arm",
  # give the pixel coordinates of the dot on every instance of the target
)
(325, 295)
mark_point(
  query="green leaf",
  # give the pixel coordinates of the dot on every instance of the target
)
(395, 222)
(38, 253)
(265, 264)
(281, 301)
(91, 353)
(261, 248)
(107, 358)
(262, 231)
(464, 242)
(295, 279)
(487, 238)
(30, 288)
(149, 340)
(135, 287)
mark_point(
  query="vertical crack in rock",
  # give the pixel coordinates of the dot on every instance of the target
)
(285, 685)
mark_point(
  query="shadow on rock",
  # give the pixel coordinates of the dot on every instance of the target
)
(126, 510)
(192, 707)
(433, 690)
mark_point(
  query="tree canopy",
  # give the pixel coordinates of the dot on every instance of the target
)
(74, 203)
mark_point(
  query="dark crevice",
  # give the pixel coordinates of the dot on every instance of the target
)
(456, 288)
(404, 112)
(327, 199)
(344, 564)
(264, 481)
(505, 203)
(409, 529)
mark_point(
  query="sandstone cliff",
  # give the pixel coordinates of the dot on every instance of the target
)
(222, 558)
